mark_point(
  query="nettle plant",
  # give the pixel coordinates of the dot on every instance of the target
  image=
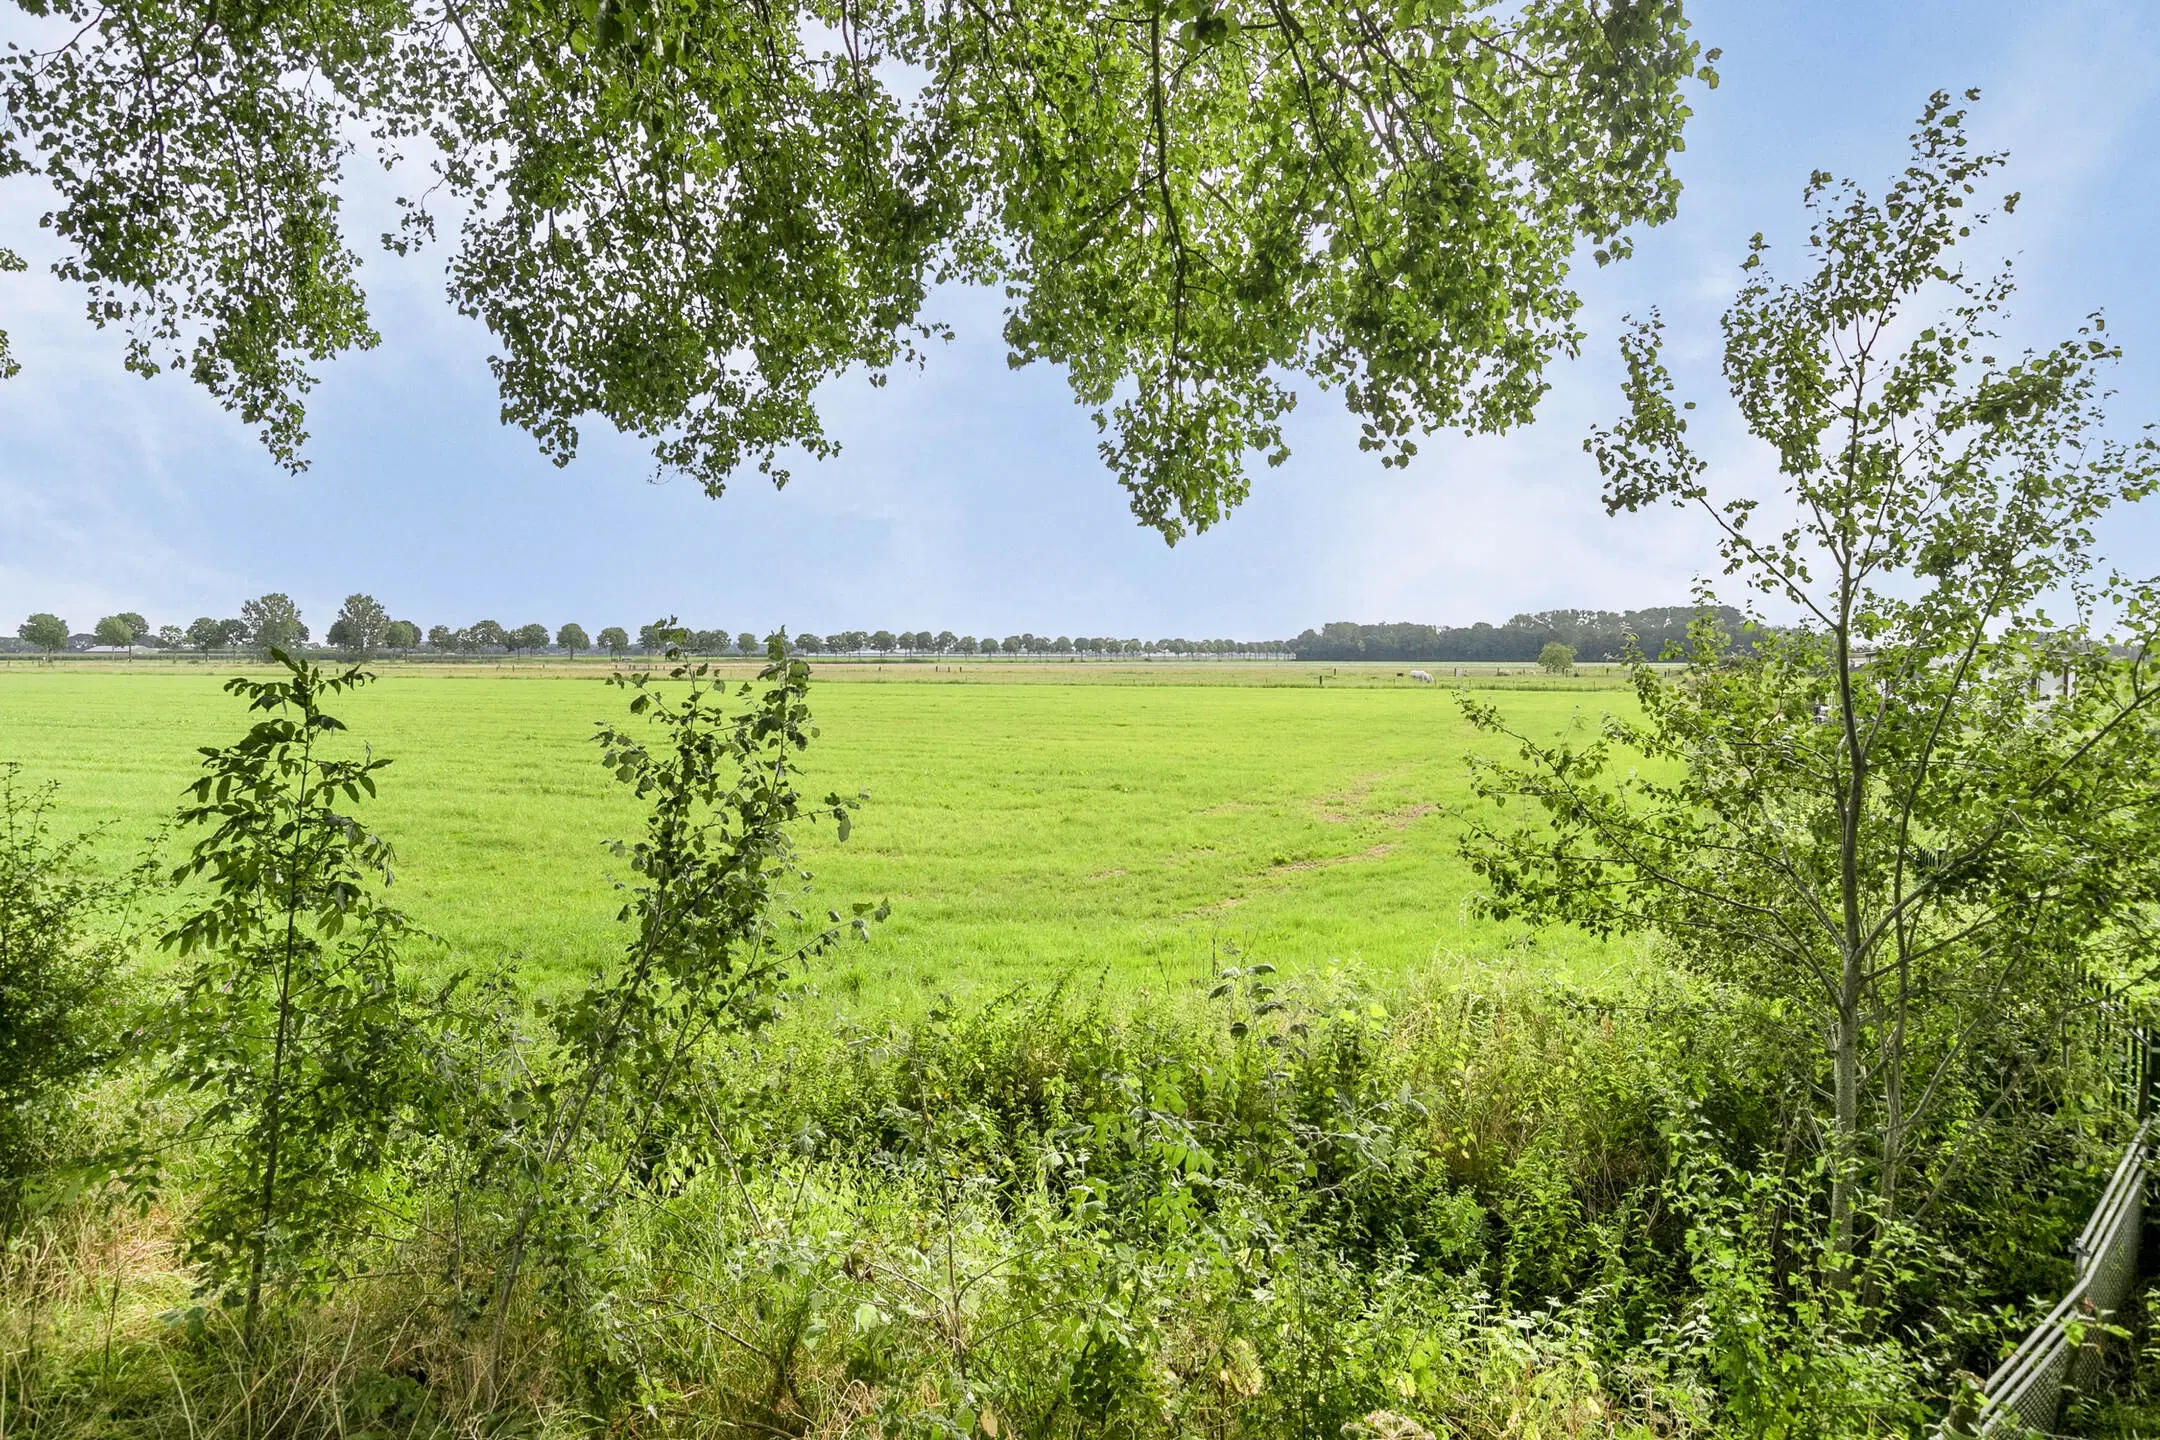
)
(1908, 822)
(289, 1023)
(714, 935)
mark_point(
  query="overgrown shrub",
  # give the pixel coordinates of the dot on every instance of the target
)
(289, 1030)
(616, 1092)
(63, 940)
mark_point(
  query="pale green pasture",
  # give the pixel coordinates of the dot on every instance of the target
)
(1140, 833)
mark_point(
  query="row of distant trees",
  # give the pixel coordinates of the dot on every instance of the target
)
(944, 642)
(361, 629)
(265, 623)
(364, 628)
(1588, 636)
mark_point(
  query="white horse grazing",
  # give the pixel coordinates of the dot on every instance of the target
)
(1423, 677)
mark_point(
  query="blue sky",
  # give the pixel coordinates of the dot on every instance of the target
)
(970, 497)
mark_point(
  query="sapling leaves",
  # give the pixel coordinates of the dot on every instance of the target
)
(1913, 814)
(708, 948)
(290, 1026)
(64, 932)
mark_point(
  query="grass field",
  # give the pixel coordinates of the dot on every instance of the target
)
(1138, 823)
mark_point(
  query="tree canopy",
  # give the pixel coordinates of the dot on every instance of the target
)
(682, 219)
(45, 630)
(1591, 635)
(361, 628)
(272, 622)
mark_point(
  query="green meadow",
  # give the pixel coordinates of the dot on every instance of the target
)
(1122, 826)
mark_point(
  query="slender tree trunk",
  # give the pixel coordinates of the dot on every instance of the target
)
(273, 1118)
(274, 1106)
(1893, 1083)
(1845, 1057)
(1845, 1128)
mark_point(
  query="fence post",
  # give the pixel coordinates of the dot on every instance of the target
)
(2144, 1071)
(1964, 1417)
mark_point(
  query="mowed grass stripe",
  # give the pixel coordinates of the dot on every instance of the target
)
(1023, 832)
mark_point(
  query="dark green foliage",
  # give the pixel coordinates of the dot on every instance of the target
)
(288, 1028)
(1218, 1220)
(114, 630)
(1594, 635)
(270, 623)
(362, 627)
(1483, 1210)
(62, 945)
(45, 630)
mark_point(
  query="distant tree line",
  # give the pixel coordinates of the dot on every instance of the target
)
(944, 642)
(364, 629)
(1591, 636)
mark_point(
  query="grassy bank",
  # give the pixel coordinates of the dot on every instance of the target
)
(1484, 1207)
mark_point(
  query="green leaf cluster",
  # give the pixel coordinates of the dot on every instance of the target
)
(683, 216)
(63, 944)
(624, 1089)
(288, 1026)
(1916, 819)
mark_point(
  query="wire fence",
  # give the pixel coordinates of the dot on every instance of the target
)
(2025, 1394)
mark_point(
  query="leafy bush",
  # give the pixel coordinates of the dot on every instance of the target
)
(63, 928)
(290, 1025)
(616, 1093)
